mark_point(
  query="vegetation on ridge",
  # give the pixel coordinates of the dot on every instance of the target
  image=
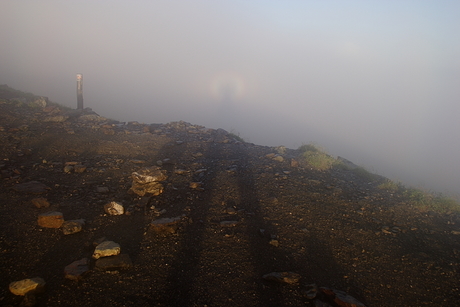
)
(318, 159)
(423, 200)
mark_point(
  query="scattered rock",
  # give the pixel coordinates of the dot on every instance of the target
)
(165, 225)
(196, 186)
(135, 161)
(146, 181)
(26, 286)
(281, 150)
(31, 187)
(275, 243)
(68, 169)
(40, 202)
(283, 277)
(105, 249)
(72, 226)
(52, 219)
(341, 298)
(114, 208)
(310, 291)
(56, 119)
(77, 269)
(102, 190)
(278, 158)
(229, 223)
(40, 102)
(231, 211)
(121, 261)
(79, 168)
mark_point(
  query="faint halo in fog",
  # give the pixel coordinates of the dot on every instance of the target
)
(227, 86)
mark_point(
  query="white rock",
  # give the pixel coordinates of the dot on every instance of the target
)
(105, 249)
(22, 287)
(114, 208)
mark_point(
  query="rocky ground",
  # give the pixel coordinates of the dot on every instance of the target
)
(195, 217)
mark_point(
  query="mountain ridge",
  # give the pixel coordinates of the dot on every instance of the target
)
(230, 212)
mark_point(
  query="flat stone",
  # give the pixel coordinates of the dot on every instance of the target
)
(26, 286)
(40, 202)
(31, 187)
(341, 298)
(105, 249)
(102, 190)
(121, 261)
(72, 226)
(52, 219)
(77, 269)
(283, 277)
(114, 208)
(79, 168)
(165, 225)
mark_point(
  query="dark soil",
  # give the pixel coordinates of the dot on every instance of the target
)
(329, 224)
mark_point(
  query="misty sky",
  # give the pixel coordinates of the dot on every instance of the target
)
(377, 82)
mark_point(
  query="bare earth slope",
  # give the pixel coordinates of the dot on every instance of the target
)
(240, 215)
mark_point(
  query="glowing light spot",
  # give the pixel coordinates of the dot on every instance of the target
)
(227, 86)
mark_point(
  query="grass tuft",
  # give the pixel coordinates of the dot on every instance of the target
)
(390, 186)
(316, 157)
(236, 136)
(426, 201)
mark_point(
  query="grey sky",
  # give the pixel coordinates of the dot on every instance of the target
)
(377, 82)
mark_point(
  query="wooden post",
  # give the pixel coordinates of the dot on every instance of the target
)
(79, 91)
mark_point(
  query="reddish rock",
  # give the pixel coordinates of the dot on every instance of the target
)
(121, 261)
(51, 219)
(341, 298)
(76, 269)
(165, 225)
(40, 202)
(73, 226)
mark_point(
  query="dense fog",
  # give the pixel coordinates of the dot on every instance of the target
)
(376, 82)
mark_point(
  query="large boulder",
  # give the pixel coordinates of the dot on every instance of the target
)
(147, 181)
